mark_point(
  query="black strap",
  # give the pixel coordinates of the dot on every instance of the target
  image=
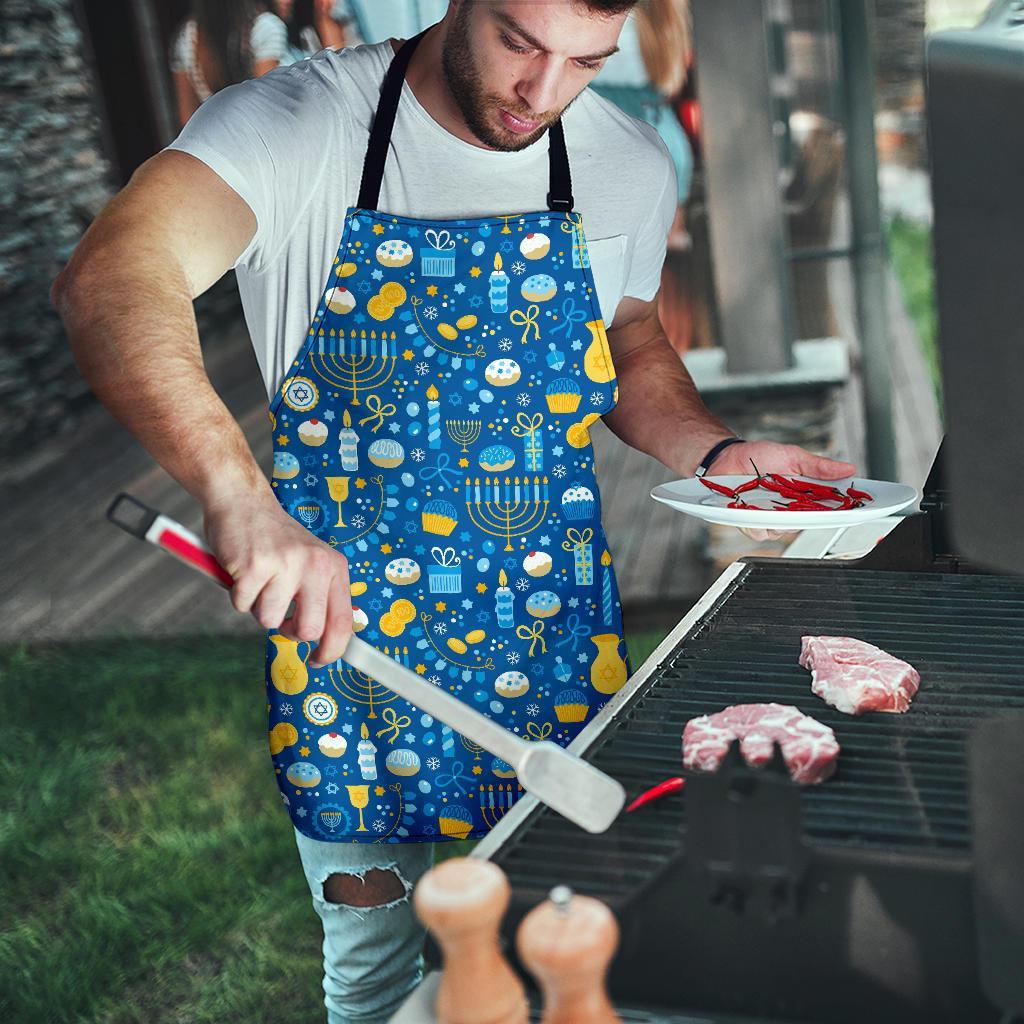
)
(383, 123)
(705, 463)
(559, 185)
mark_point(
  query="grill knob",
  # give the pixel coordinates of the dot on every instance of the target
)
(462, 902)
(567, 943)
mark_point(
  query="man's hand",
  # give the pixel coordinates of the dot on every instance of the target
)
(275, 561)
(771, 457)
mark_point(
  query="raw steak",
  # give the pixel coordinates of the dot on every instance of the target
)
(855, 677)
(808, 747)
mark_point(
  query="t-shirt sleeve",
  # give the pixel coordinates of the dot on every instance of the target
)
(269, 38)
(268, 139)
(652, 238)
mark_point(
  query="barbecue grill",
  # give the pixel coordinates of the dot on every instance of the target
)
(895, 890)
(748, 896)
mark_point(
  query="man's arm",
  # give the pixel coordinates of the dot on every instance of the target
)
(661, 413)
(126, 301)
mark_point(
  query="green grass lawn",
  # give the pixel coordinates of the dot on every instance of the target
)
(149, 872)
(910, 247)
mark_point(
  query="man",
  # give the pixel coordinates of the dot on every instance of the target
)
(456, 345)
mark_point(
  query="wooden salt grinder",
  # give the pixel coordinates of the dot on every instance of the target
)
(462, 902)
(567, 943)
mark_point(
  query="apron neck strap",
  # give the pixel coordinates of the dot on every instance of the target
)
(559, 197)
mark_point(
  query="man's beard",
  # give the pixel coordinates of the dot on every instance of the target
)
(478, 108)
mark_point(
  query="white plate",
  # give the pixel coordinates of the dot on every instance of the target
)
(693, 498)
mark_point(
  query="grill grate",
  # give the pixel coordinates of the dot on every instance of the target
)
(901, 785)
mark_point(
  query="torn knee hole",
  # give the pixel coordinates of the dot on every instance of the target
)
(376, 888)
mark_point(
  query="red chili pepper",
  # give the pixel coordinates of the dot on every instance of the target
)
(750, 485)
(862, 495)
(809, 487)
(657, 792)
(806, 505)
(718, 488)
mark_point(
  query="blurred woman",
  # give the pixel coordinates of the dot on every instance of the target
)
(312, 26)
(224, 42)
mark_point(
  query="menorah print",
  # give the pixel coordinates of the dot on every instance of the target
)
(331, 819)
(308, 514)
(464, 432)
(509, 508)
(357, 364)
(474, 748)
(496, 801)
(363, 689)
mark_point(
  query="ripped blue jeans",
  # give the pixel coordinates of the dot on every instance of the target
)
(372, 955)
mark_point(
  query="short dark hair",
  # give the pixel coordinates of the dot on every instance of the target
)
(608, 7)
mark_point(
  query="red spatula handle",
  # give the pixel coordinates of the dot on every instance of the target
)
(147, 524)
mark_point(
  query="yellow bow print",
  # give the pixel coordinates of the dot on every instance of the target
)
(526, 321)
(377, 412)
(533, 634)
(394, 724)
(538, 734)
(576, 539)
(527, 424)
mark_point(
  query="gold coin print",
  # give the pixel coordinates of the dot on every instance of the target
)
(475, 636)
(390, 625)
(393, 292)
(346, 270)
(456, 645)
(403, 611)
(464, 323)
(578, 435)
(379, 308)
(447, 331)
(357, 588)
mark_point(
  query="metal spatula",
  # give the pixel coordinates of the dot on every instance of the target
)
(573, 788)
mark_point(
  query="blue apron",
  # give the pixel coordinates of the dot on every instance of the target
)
(434, 428)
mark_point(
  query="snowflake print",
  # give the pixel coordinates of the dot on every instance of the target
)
(533, 710)
(504, 344)
(423, 369)
(513, 657)
(433, 763)
(522, 583)
(519, 267)
(417, 455)
(379, 826)
(430, 312)
(558, 470)
(285, 709)
(358, 522)
(523, 398)
(435, 680)
(440, 629)
(595, 397)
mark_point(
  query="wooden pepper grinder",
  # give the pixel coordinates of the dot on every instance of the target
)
(462, 902)
(567, 943)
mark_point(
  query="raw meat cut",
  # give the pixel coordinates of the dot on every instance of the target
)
(808, 747)
(855, 677)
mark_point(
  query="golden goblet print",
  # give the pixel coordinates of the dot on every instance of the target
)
(359, 797)
(337, 487)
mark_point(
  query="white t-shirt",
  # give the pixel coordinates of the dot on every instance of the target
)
(292, 144)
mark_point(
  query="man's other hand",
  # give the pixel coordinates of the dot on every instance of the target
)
(771, 457)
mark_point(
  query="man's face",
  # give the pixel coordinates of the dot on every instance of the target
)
(513, 66)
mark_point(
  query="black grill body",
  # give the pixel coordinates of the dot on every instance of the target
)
(847, 901)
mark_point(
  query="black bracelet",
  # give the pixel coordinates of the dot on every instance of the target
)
(705, 463)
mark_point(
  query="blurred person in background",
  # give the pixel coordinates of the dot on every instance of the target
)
(313, 25)
(647, 74)
(221, 43)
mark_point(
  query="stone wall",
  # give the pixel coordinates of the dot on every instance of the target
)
(54, 178)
